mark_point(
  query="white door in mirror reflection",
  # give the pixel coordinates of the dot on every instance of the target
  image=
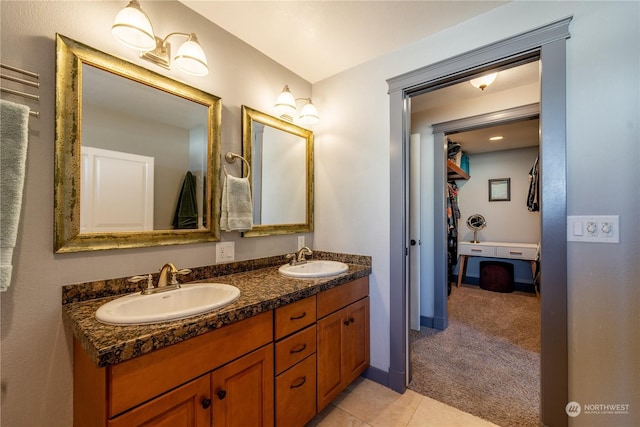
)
(116, 192)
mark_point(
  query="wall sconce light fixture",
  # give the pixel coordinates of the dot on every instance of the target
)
(133, 28)
(286, 108)
(484, 81)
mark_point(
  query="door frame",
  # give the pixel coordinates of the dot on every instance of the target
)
(548, 42)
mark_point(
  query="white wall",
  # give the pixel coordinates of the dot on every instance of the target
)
(507, 221)
(602, 147)
(36, 361)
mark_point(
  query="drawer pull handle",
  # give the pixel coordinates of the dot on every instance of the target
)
(299, 382)
(298, 317)
(298, 348)
(515, 252)
(221, 394)
(206, 403)
(476, 250)
(348, 321)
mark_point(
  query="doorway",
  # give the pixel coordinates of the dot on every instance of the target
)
(490, 337)
(549, 44)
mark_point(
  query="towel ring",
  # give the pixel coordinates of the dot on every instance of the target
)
(231, 158)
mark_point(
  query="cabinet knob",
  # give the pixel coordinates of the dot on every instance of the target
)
(206, 403)
(221, 394)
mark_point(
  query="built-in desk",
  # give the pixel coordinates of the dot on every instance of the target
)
(522, 251)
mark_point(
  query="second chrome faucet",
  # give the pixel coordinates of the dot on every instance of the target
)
(299, 257)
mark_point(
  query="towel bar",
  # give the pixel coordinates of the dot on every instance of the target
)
(23, 82)
(231, 158)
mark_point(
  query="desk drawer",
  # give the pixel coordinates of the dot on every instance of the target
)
(477, 250)
(516, 252)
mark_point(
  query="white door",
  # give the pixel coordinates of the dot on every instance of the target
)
(414, 233)
(116, 191)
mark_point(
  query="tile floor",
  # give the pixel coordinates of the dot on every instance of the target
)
(368, 404)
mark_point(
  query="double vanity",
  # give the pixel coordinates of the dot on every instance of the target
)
(254, 343)
(276, 355)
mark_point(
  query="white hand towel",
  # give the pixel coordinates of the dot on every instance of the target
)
(237, 208)
(14, 135)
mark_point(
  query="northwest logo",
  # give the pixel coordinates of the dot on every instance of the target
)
(573, 409)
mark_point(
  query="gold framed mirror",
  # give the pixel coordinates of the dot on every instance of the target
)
(281, 158)
(137, 157)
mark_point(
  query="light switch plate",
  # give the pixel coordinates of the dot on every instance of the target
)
(593, 228)
(225, 252)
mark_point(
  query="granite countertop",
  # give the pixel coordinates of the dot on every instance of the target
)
(262, 289)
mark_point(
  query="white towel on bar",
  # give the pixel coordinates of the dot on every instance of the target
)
(14, 135)
(237, 208)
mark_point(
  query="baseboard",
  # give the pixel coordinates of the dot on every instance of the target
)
(426, 321)
(377, 375)
(440, 323)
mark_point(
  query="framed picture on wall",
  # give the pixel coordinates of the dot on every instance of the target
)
(500, 190)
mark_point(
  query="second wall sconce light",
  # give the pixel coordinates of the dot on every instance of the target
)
(286, 108)
(133, 28)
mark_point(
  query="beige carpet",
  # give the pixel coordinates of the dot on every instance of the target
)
(487, 362)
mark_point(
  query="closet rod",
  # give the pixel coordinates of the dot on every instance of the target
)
(21, 71)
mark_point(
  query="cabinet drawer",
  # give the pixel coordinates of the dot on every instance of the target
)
(516, 252)
(335, 298)
(293, 349)
(477, 250)
(296, 394)
(295, 316)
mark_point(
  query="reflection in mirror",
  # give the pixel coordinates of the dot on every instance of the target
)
(137, 144)
(149, 149)
(281, 158)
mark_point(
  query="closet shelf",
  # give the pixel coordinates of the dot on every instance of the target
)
(454, 172)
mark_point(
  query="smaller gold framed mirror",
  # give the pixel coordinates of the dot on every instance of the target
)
(281, 157)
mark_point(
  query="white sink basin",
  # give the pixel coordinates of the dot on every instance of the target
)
(189, 300)
(312, 269)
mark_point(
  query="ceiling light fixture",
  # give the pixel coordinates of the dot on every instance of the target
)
(496, 138)
(133, 28)
(484, 81)
(286, 108)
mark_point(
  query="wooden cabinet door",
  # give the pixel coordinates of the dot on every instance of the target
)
(186, 406)
(355, 343)
(329, 354)
(243, 391)
(343, 349)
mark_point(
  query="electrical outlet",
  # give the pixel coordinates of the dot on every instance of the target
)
(300, 242)
(225, 252)
(592, 228)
